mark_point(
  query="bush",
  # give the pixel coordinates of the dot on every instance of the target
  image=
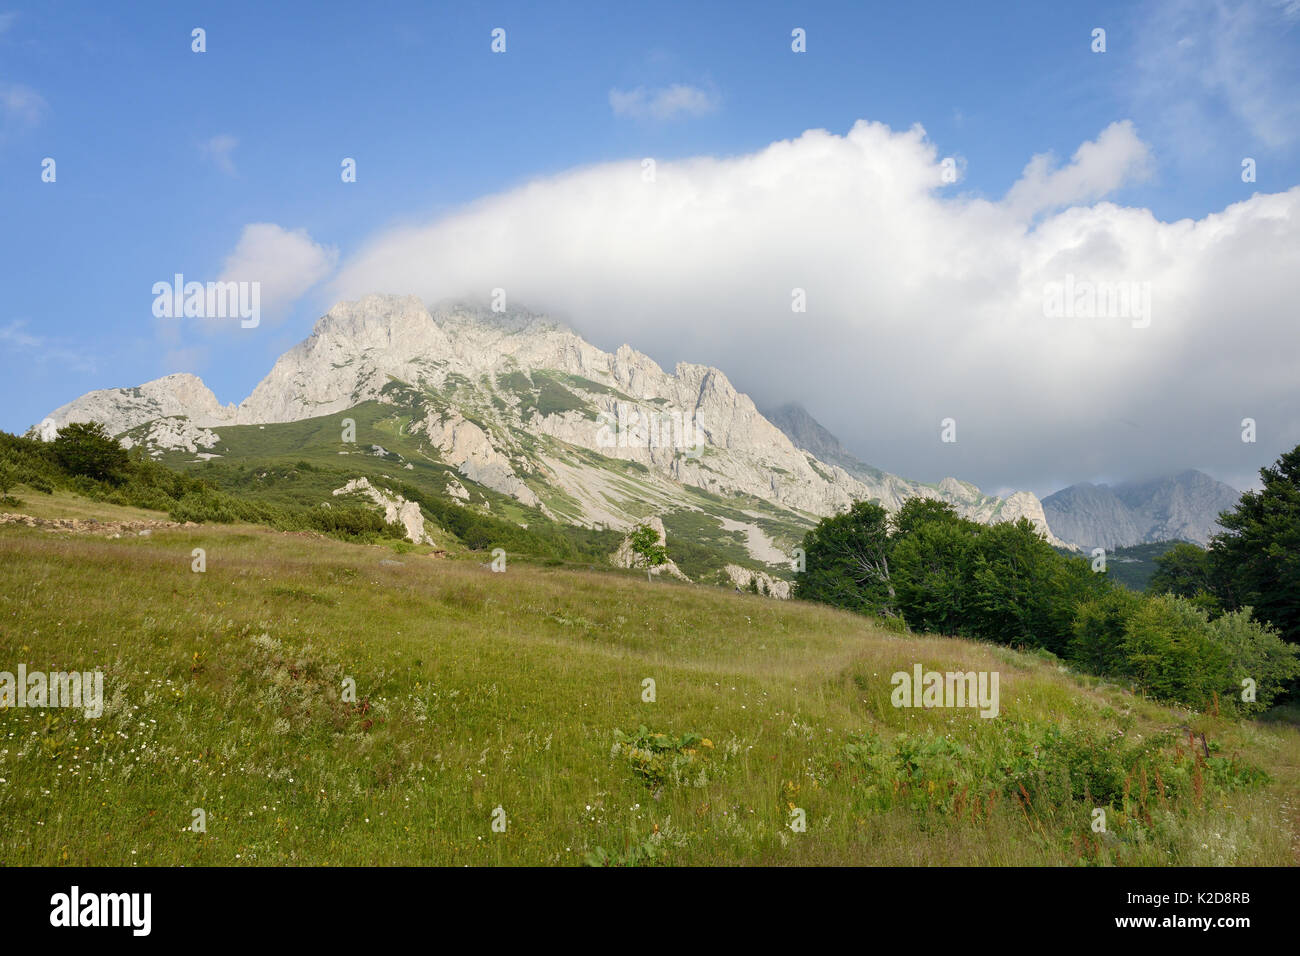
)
(1183, 570)
(85, 450)
(660, 759)
(1255, 651)
(847, 561)
(1097, 643)
(1177, 652)
(1046, 767)
(1171, 653)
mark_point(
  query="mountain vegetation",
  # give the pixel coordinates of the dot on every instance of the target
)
(504, 719)
(1217, 631)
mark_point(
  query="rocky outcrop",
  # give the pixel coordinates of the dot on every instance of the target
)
(470, 450)
(397, 510)
(625, 557)
(172, 434)
(122, 409)
(111, 529)
(747, 580)
(457, 490)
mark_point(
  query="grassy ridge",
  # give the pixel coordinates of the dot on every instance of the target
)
(477, 690)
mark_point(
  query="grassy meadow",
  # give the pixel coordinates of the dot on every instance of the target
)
(523, 691)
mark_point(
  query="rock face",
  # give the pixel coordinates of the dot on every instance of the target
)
(523, 406)
(1182, 507)
(121, 409)
(470, 449)
(171, 433)
(625, 557)
(745, 580)
(396, 509)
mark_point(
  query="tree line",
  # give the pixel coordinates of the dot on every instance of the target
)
(1218, 627)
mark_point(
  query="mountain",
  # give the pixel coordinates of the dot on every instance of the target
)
(1181, 507)
(891, 491)
(515, 407)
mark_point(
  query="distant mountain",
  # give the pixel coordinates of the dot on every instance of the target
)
(1183, 507)
(806, 433)
(517, 405)
(809, 434)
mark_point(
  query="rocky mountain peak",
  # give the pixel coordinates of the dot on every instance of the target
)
(519, 406)
(1177, 507)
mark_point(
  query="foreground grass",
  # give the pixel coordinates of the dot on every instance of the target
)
(478, 690)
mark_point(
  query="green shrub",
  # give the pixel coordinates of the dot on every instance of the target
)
(644, 853)
(1042, 767)
(847, 561)
(660, 759)
(1097, 644)
(1255, 651)
(1170, 652)
(85, 450)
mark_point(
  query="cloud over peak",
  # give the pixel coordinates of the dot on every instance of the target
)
(921, 304)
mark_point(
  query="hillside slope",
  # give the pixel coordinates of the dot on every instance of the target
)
(478, 690)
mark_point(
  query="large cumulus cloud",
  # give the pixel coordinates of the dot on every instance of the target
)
(922, 302)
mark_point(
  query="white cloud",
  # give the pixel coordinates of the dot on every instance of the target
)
(20, 106)
(285, 263)
(1097, 169)
(13, 334)
(220, 150)
(920, 305)
(7, 20)
(663, 103)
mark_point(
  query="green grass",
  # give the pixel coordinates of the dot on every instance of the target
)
(477, 690)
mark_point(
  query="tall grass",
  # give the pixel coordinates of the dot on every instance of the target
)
(225, 692)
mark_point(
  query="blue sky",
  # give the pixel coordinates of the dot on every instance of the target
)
(164, 155)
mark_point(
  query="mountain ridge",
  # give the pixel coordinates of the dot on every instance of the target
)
(1182, 507)
(520, 403)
